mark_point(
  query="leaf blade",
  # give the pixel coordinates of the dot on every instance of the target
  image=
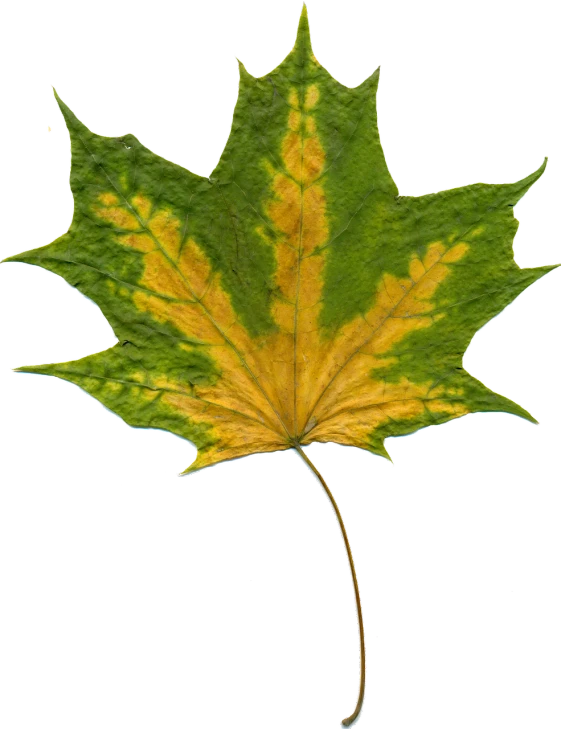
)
(293, 290)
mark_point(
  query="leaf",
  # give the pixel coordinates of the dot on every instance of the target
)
(293, 296)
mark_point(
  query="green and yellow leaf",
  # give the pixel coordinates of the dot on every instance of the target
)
(293, 296)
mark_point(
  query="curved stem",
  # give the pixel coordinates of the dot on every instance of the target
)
(349, 720)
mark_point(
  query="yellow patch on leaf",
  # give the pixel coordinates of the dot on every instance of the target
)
(194, 266)
(455, 253)
(161, 276)
(139, 241)
(239, 436)
(448, 407)
(294, 120)
(416, 269)
(312, 97)
(113, 212)
(165, 228)
(108, 198)
(353, 422)
(143, 206)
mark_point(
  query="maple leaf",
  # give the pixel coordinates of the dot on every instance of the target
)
(293, 296)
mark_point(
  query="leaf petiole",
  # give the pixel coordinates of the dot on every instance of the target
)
(350, 719)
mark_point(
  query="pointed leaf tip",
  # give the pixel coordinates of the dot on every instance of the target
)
(303, 41)
(73, 124)
(244, 73)
(304, 11)
(518, 188)
(57, 96)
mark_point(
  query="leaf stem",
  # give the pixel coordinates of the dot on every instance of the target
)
(349, 720)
